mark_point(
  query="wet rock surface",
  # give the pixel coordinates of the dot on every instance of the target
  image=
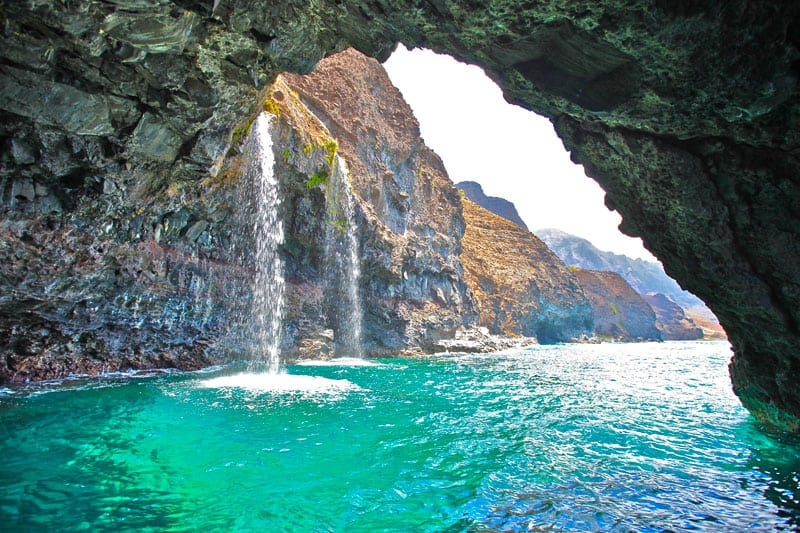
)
(687, 115)
(479, 340)
(409, 217)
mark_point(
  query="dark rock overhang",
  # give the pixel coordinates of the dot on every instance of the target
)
(686, 114)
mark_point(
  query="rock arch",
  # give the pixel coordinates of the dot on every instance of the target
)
(687, 113)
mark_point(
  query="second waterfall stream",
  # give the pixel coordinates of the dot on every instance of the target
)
(342, 262)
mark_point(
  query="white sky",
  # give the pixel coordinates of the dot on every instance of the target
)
(513, 153)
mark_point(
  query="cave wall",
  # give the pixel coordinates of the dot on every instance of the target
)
(685, 112)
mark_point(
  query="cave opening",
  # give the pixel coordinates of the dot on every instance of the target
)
(512, 152)
(505, 153)
(688, 118)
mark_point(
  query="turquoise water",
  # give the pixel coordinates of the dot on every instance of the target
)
(637, 437)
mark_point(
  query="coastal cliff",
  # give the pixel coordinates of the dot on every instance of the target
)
(103, 275)
(647, 278)
(521, 287)
(499, 206)
(409, 213)
(630, 320)
(619, 312)
(671, 320)
(644, 276)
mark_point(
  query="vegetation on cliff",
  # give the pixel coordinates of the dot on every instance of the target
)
(409, 215)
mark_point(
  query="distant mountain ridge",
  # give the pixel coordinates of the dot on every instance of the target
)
(644, 276)
(499, 206)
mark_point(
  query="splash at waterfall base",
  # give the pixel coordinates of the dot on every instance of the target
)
(260, 205)
(137, 273)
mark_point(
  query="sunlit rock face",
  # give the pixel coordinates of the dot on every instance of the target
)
(160, 274)
(686, 114)
(521, 287)
(408, 211)
(671, 320)
(619, 312)
(499, 206)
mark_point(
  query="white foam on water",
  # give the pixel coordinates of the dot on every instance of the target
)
(338, 361)
(280, 383)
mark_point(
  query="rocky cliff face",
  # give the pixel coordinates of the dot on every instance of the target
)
(619, 312)
(671, 320)
(498, 206)
(109, 275)
(520, 286)
(644, 276)
(687, 115)
(409, 218)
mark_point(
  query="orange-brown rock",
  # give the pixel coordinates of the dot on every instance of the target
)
(409, 212)
(619, 311)
(705, 320)
(521, 287)
(671, 320)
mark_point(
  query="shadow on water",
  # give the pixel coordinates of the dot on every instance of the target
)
(70, 458)
(777, 458)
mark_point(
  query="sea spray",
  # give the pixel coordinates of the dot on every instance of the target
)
(260, 204)
(342, 262)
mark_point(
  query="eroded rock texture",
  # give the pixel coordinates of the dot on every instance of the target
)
(686, 113)
(619, 312)
(521, 287)
(409, 213)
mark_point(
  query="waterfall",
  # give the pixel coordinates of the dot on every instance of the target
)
(261, 203)
(342, 262)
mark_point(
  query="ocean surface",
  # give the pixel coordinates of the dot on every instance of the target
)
(611, 437)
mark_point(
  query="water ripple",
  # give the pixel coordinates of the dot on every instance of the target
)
(551, 438)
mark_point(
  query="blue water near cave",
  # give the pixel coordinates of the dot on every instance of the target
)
(612, 437)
